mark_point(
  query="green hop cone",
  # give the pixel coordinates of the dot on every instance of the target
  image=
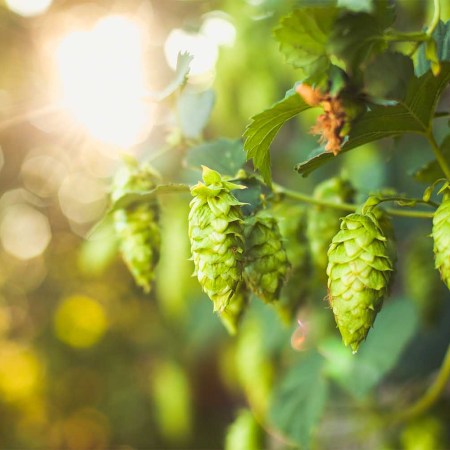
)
(359, 271)
(244, 433)
(421, 280)
(266, 260)
(137, 226)
(233, 312)
(441, 238)
(297, 286)
(323, 222)
(216, 236)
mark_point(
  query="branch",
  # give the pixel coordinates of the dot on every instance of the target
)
(349, 207)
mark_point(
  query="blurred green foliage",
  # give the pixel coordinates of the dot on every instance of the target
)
(88, 362)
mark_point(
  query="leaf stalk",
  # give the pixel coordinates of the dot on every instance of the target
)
(438, 154)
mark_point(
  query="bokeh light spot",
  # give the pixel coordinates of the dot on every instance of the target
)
(20, 372)
(82, 198)
(24, 231)
(203, 50)
(80, 321)
(219, 29)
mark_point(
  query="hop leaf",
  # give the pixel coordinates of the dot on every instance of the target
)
(441, 237)
(137, 227)
(323, 222)
(359, 271)
(216, 236)
(267, 263)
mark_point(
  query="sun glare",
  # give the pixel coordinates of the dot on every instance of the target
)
(28, 8)
(103, 81)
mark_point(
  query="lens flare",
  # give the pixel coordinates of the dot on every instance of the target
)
(102, 80)
(298, 338)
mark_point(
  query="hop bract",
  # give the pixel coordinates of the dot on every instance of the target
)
(359, 271)
(216, 235)
(441, 238)
(266, 260)
(137, 226)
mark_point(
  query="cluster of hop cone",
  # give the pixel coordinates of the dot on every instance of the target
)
(235, 254)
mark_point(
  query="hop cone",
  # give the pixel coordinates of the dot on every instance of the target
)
(232, 314)
(323, 222)
(137, 227)
(441, 237)
(384, 222)
(421, 280)
(359, 270)
(267, 263)
(297, 285)
(215, 232)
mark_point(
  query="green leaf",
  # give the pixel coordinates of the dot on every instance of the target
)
(194, 111)
(224, 155)
(299, 401)
(432, 171)
(181, 73)
(303, 36)
(263, 128)
(355, 36)
(357, 5)
(377, 84)
(134, 198)
(254, 196)
(441, 36)
(411, 115)
(360, 373)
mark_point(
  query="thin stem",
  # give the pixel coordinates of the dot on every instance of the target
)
(160, 152)
(308, 199)
(413, 213)
(440, 114)
(346, 206)
(415, 36)
(404, 199)
(431, 395)
(438, 154)
(436, 17)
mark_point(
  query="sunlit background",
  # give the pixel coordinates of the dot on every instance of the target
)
(86, 360)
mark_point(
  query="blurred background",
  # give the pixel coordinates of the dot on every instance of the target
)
(87, 361)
